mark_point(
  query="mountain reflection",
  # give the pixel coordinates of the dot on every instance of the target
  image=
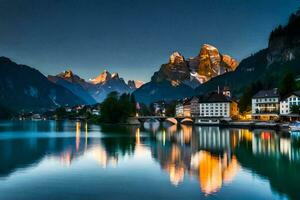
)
(213, 156)
(205, 155)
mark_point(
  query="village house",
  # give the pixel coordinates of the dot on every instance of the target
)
(159, 108)
(195, 109)
(286, 103)
(218, 105)
(265, 105)
(187, 108)
(183, 108)
(179, 109)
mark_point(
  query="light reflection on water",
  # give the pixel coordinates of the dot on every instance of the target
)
(164, 162)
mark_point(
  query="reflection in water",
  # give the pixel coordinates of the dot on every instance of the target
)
(213, 156)
(78, 125)
(213, 170)
(102, 157)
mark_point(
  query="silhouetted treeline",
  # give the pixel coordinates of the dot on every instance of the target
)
(117, 109)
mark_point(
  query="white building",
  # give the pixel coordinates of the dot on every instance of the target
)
(265, 105)
(287, 102)
(218, 105)
(179, 109)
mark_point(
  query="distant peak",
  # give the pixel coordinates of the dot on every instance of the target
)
(103, 77)
(5, 59)
(135, 84)
(176, 58)
(69, 73)
(66, 74)
(115, 75)
(209, 47)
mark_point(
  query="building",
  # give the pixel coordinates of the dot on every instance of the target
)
(195, 109)
(226, 91)
(159, 108)
(187, 108)
(96, 112)
(265, 105)
(183, 108)
(179, 109)
(218, 105)
(292, 99)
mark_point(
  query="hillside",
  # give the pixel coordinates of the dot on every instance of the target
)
(25, 88)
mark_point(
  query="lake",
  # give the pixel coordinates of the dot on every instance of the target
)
(71, 160)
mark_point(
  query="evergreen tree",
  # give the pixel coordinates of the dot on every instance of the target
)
(287, 84)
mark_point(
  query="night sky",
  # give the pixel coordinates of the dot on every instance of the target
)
(129, 36)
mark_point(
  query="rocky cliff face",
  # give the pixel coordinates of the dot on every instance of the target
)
(103, 77)
(284, 41)
(135, 84)
(207, 64)
(180, 75)
(210, 63)
(175, 71)
(269, 65)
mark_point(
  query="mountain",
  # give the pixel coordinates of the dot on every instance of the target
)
(210, 63)
(207, 64)
(96, 89)
(180, 75)
(75, 84)
(102, 78)
(134, 84)
(268, 65)
(164, 90)
(25, 88)
(106, 83)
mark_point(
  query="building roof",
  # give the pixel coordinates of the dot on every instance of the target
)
(267, 93)
(296, 93)
(215, 97)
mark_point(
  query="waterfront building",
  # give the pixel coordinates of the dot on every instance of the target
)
(265, 105)
(96, 112)
(187, 108)
(226, 91)
(159, 108)
(195, 109)
(179, 109)
(183, 108)
(286, 103)
(217, 105)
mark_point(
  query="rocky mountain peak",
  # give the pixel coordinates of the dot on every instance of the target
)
(211, 63)
(135, 84)
(115, 75)
(228, 60)
(176, 58)
(103, 77)
(196, 70)
(66, 74)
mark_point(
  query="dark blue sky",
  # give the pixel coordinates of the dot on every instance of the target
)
(129, 36)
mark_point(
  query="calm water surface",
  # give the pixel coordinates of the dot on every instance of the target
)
(69, 160)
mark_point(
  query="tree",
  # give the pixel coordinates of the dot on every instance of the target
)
(117, 109)
(249, 92)
(170, 108)
(287, 84)
(109, 109)
(61, 113)
(295, 109)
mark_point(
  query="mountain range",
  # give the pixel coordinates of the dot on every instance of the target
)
(96, 89)
(25, 88)
(179, 77)
(269, 65)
